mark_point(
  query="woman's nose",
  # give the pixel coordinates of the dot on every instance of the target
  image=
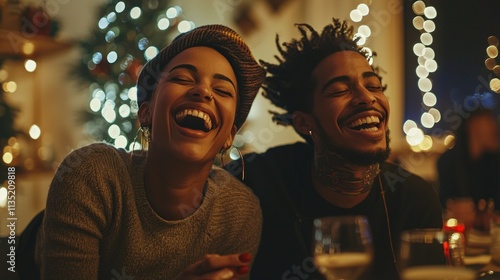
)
(201, 92)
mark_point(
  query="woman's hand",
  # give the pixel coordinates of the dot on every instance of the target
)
(217, 267)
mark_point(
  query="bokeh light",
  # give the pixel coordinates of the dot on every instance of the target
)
(418, 7)
(429, 99)
(135, 12)
(430, 12)
(120, 7)
(356, 16)
(34, 131)
(423, 21)
(185, 26)
(409, 124)
(30, 65)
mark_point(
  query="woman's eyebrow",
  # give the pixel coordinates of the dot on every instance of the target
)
(185, 66)
(193, 68)
(222, 77)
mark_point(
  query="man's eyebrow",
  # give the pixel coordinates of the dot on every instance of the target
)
(346, 78)
(335, 80)
(192, 68)
(370, 74)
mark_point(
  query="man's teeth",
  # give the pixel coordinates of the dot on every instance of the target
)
(195, 113)
(369, 129)
(366, 120)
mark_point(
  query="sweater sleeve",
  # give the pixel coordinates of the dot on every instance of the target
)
(79, 204)
(249, 235)
(244, 217)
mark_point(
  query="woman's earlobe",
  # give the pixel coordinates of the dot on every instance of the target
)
(230, 139)
(144, 113)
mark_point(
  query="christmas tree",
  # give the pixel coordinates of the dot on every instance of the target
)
(127, 35)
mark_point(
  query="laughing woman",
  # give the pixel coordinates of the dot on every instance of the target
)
(167, 213)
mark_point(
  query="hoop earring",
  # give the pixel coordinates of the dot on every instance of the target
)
(145, 137)
(223, 153)
(146, 133)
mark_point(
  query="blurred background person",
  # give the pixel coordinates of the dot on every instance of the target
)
(468, 172)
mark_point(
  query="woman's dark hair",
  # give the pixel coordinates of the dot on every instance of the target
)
(288, 84)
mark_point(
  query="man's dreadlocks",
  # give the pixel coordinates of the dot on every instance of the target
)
(289, 84)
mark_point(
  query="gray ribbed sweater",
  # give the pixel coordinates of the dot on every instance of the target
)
(98, 222)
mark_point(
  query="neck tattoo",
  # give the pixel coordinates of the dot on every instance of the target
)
(338, 175)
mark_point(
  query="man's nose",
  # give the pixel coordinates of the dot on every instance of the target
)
(363, 96)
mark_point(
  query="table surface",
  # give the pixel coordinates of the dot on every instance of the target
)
(477, 252)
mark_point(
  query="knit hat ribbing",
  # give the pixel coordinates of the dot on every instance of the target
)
(249, 74)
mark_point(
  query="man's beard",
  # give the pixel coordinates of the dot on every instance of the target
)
(356, 157)
(365, 158)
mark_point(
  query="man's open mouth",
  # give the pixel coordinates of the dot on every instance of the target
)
(370, 123)
(194, 119)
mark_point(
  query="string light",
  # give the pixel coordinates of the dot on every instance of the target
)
(7, 157)
(120, 7)
(35, 131)
(185, 26)
(173, 12)
(163, 23)
(363, 31)
(28, 48)
(3, 197)
(10, 86)
(490, 62)
(135, 13)
(424, 23)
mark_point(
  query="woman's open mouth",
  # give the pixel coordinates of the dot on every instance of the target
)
(194, 119)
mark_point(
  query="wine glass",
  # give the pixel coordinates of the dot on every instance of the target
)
(342, 246)
(433, 254)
